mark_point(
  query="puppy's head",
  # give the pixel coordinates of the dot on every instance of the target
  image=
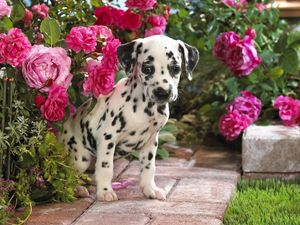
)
(157, 62)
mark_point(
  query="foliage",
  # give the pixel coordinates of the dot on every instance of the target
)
(41, 171)
(199, 23)
(34, 159)
(265, 202)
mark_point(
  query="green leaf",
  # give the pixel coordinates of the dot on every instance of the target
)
(289, 61)
(169, 128)
(281, 43)
(5, 24)
(51, 30)
(97, 3)
(120, 75)
(183, 13)
(166, 137)
(162, 153)
(18, 11)
(276, 72)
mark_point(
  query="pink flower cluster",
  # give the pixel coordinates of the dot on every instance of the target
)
(44, 65)
(14, 47)
(101, 74)
(5, 10)
(239, 55)
(241, 4)
(158, 24)
(142, 5)
(42, 10)
(289, 110)
(85, 38)
(53, 109)
(124, 20)
(241, 112)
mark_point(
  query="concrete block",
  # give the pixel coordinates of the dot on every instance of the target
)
(271, 149)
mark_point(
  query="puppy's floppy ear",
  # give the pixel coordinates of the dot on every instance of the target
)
(190, 56)
(127, 55)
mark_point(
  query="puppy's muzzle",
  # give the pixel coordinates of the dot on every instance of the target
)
(162, 95)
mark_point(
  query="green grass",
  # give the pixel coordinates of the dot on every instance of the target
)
(265, 202)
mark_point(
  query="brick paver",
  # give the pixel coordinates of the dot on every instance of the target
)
(199, 184)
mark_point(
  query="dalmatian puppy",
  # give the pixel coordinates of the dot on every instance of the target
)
(130, 117)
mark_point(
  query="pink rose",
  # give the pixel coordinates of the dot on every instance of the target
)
(118, 17)
(157, 21)
(27, 18)
(100, 79)
(104, 16)
(54, 107)
(224, 43)
(260, 6)
(235, 3)
(39, 101)
(289, 110)
(41, 9)
(5, 10)
(131, 20)
(243, 57)
(45, 64)
(247, 104)
(101, 31)
(2, 59)
(109, 51)
(154, 31)
(15, 47)
(81, 38)
(232, 124)
(142, 5)
(251, 32)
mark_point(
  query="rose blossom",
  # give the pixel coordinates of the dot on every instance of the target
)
(225, 41)
(243, 58)
(247, 104)
(41, 9)
(232, 124)
(118, 17)
(260, 6)
(54, 107)
(234, 3)
(104, 16)
(142, 5)
(131, 20)
(100, 79)
(5, 10)
(45, 64)
(251, 32)
(39, 101)
(15, 47)
(153, 31)
(157, 21)
(27, 18)
(81, 38)
(109, 51)
(289, 110)
(101, 31)
(2, 59)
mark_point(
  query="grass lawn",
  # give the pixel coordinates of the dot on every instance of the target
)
(265, 202)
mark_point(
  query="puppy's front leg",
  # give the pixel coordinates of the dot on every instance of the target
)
(104, 171)
(147, 163)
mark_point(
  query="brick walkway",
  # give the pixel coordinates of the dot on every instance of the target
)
(199, 181)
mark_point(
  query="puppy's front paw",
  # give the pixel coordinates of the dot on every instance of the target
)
(154, 192)
(106, 195)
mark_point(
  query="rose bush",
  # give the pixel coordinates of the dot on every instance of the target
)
(243, 45)
(54, 55)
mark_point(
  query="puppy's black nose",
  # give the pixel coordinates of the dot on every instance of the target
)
(161, 94)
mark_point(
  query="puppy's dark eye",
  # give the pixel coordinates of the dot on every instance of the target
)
(174, 69)
(147, 69)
